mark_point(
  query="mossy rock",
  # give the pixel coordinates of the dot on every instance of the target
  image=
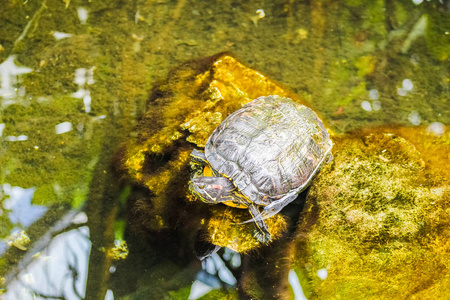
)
(182, 113)
(375, 218)
(226, 228)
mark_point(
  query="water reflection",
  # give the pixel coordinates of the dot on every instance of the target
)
(436, 128)
(294, 281)
(18, 204)
(214, 275)
(82, 14)
(63, 127)
(61, 35)
(56, 266)
(83, 78)
(414, 118)
(10, 75)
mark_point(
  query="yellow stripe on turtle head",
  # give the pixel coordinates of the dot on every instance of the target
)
(207, 171)
(235, 205)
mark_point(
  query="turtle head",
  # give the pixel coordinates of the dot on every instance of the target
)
(212, 190)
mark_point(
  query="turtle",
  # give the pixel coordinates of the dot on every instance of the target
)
(260, 158)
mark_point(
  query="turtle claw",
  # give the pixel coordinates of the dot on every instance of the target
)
(262, 237)
(262, 233)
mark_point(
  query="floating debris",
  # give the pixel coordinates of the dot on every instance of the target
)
(260, 15)
(19, 240)
(119, 251)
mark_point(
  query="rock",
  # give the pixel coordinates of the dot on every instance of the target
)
(376, 218)
(182, 113)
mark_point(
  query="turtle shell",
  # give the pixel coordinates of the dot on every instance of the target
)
(269, 148)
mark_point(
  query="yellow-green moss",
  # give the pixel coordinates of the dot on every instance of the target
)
(226, 228)
(118, 252)
(376, 221)
(201, 127)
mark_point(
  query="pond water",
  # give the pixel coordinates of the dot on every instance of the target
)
(76, 78)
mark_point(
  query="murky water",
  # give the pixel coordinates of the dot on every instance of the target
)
(76, 77)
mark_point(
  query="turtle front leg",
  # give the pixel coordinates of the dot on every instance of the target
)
(262, 233)
(213, 190)
(276, 206)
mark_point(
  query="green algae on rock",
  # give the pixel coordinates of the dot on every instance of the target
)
(375, 219)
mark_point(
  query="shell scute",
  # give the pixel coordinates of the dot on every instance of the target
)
(269, 148)
(230, 169)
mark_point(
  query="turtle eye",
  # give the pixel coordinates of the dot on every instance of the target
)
(201, 185)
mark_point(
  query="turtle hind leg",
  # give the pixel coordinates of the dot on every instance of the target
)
(262, 233)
